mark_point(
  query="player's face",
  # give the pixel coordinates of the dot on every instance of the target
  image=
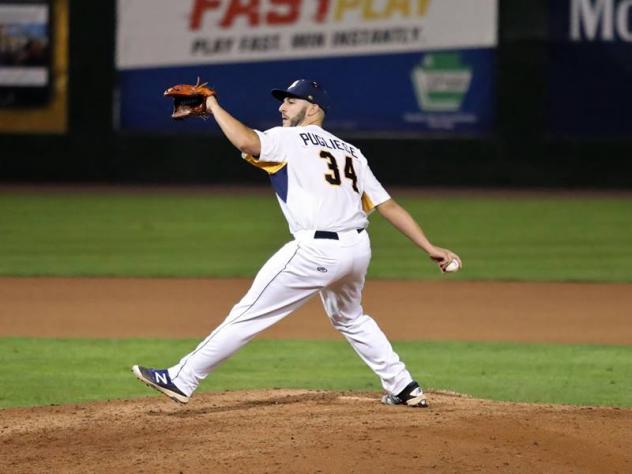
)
(293, 111)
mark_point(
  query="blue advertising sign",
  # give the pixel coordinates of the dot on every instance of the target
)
(434, 92)
(591, 68)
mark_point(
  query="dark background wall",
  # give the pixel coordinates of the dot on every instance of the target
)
(519, 154)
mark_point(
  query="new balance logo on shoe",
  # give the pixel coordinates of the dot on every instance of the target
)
(161, 378)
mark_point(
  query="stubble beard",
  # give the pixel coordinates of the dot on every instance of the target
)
(298, 118)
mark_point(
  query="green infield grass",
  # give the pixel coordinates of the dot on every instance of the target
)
(163, 235)
(50, 371)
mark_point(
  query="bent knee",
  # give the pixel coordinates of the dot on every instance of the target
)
(342, 321)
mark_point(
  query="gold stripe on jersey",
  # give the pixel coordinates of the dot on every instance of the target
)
(367, 204)
(268, 166)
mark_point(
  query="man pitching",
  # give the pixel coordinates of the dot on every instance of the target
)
(326, 191)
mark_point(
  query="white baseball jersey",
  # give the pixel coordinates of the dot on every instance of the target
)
(321, 181)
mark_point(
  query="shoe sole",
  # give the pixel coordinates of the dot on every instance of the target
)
(415, 402)
(419, 401)
(174, 396)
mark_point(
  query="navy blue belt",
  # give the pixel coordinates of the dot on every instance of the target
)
(325, 234)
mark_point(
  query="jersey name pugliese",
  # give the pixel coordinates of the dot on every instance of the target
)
(332, 144)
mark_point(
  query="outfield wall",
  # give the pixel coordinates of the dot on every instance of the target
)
(522, 151)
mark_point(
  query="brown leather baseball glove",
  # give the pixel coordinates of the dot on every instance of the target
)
(189, 100)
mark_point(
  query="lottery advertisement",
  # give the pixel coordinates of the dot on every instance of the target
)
(590, 69)
(391, 66)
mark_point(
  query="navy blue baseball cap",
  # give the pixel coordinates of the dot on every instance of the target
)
(306, 89)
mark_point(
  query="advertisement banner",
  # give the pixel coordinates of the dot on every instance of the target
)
(591, 68)
(392, 66)
(216, 31)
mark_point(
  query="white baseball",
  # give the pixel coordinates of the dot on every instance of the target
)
(453, 266)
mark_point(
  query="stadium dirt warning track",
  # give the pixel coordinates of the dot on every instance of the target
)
(316, 431)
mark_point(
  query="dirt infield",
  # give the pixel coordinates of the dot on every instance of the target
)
(406, 310)
(306, 431)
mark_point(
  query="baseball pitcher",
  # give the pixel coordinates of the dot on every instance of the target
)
(326, 191)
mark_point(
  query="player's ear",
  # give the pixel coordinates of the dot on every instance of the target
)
(312, 109)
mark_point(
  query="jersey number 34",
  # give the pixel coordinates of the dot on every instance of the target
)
(334, 176)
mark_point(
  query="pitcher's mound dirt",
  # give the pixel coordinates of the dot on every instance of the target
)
(287, 431)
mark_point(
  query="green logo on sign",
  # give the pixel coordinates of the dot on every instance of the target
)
(441, 82)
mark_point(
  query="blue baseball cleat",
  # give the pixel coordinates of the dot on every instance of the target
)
(412, 396)
(159, 379)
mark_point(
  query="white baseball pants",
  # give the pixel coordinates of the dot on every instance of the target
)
(301, 268)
